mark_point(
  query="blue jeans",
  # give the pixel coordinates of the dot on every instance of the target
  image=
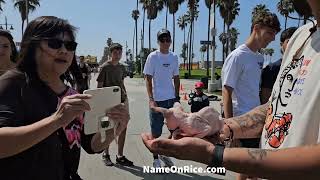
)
(156, 118)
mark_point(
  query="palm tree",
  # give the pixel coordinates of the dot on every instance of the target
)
(208, 5)
(192, 14)
(144, 7)
(233, 11)
(24, 12)
(182, 23)
(223, 13)
(183, 54)
(173, 8)
(153, 7)
(135, 16)
(285, 7)
(223, 40)
(233, 38)
(258, 9)
(229, 9)
(203, 49)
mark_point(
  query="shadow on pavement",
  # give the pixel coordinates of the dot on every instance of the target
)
(138, 171)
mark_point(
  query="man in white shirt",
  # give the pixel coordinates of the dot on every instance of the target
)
(161, 67)
(289, 125)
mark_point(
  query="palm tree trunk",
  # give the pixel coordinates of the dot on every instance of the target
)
(174, 30)
(190, 55)
(167, 16)
(22, 27)
(27, 10)
(134, 33)
(227, 43)
(142, 44)
(149, 34)
(285, 23)
(208, 41)
(223, 45)
(184, 35)
(136, 25)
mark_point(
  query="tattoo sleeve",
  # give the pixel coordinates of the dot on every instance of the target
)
(249, 125)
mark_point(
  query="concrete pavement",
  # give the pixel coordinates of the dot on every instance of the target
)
(92, 168)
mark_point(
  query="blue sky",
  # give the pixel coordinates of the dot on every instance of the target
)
(97, 20)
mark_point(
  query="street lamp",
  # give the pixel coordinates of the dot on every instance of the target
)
(6, 24)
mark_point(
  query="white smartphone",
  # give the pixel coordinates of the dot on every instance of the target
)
(102, 100)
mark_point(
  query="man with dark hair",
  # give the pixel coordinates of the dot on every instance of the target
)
(242, 70)
(289, 125)
(112, 74)
(161, 67)
(270, 72)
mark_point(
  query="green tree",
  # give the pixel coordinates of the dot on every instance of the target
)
(24, 12)
(285, 7)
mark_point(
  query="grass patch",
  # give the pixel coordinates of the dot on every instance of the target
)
(198, 73)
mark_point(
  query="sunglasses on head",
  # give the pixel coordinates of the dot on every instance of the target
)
(57, 44)
(163, 40)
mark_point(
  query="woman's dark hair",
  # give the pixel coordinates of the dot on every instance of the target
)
(45, 27)
(14, 52)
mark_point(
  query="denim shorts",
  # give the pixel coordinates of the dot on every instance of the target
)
(156, 118)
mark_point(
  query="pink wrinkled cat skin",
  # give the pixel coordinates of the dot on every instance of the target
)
(200, 124)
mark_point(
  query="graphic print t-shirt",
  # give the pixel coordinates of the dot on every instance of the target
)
(293, 114)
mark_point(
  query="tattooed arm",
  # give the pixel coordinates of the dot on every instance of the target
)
(290, 163)
(248, 125)
(296, 163)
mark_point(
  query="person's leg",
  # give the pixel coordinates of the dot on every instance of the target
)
(106, 157)
(167, 161)
(156, 123)
(121, 159)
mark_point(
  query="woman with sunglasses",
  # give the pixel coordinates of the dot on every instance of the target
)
(8, 51)
(41, 117)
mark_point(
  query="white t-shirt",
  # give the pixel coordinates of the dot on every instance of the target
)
(162, 68)
(242, 71)
(294, 116)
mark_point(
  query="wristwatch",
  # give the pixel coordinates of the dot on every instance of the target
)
(217, 159)
(151, 98)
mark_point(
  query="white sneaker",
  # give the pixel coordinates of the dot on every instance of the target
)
(167, 161)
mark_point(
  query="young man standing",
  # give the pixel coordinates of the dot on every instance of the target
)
(112, 74)
(161, 67)
(270, 72)
(241, 71)
(288, 125)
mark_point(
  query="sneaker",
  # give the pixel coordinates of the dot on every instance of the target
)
(124, 161)
(106, 159)
(166, 160)
(156, 163)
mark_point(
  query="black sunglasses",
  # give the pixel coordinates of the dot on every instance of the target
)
(57, 44)
(163, 40)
